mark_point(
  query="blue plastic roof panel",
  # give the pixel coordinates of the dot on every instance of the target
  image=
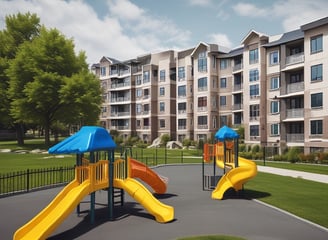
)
(88, 139)
(226, 133)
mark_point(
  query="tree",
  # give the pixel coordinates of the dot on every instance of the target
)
(50, 84)
(19, 29)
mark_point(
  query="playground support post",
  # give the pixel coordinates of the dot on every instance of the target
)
(92, 195)
(111, 183)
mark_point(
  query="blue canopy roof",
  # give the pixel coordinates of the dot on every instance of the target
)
(88, 139)
(226, 133)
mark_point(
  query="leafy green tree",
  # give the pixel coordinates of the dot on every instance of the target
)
(49, 83)
(19, 29)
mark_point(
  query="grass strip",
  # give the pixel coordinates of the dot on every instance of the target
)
(304, 198)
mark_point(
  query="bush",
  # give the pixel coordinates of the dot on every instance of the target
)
(292, 154)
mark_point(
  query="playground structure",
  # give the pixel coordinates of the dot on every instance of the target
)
(224, 154)
(92, 175)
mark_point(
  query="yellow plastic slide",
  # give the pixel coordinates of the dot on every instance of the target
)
(43, 224)
(162, 213)
(235, 178)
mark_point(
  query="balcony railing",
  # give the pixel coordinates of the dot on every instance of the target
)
(237, 106)
(203, 126)
(237, 87)
(120, 114)
(237, 67)
(120, 99)
(295, 113)
(120, 85)
(182, 127)
(294, 59)
(202, 109)
(295, 87)
(295, 137)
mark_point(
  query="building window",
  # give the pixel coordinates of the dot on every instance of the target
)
(181, 73)
(146, 93)
(254, 90)
(162, 123)
(254, 130)
(223, 120)
(146, 108)
(253, 75)
(223, 100)
(162, 76)
(253, 56)
(214, 62)
(139, 92)
(139, 108)
(182, 91)
(274, 83)
(316, 72)
(223, 64)
(274, 58)
(202, 84)
(162, 91)
(223, 82)
(275, 129)
(102, 71)
(316, 127)
(202, 102)
(146, 77)
(274, 108)
(182, 107)
(254, 111)
(138, 79)
(162, 107)
(202, 62)
(316, 44)
(182, 123)
(316, 100)
(202, 120)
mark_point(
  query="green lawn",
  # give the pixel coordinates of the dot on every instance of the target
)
(304, 198)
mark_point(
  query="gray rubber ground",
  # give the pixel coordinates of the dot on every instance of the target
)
(195, 214)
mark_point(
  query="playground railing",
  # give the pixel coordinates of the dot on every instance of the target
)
(34, 179)
(120, 169)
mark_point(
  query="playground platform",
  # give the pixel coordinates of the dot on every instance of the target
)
(195, 214)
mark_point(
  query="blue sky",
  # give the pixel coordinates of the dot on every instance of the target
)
(124, 29)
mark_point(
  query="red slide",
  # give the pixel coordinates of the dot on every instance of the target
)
(155, 181)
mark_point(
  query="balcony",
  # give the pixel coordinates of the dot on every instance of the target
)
(295, 113)
(237, 106)
(294, 59)
(295, 137)
(237, 67)
(295, 87)
(120, 114)
(203, 126)
(182, 127)
(120, 99)
(237, 87)
(202, 109)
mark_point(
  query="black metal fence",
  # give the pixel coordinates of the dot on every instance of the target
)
(34, 179)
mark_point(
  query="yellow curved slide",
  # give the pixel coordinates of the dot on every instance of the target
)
(162, 213)
(43, 224)
(235, 178)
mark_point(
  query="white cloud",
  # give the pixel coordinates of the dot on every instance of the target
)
(249, 10)
(200, 2)
(125, 32)
(221, 39)
(295, 13)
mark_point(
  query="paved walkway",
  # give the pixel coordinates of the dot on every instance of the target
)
(195, 214)
(296, 174)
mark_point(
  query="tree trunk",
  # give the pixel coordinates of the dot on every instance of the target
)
(20, 133)
(47, 134)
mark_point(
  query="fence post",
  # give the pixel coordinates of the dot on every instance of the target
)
(165, 155)
(27, 180)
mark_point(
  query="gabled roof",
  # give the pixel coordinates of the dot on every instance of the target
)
(252, 32)
(109, 59)
(88, 139)
(286, 37)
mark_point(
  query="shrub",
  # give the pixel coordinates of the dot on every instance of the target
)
(292, 154)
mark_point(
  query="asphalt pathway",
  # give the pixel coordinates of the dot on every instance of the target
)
(195, 214)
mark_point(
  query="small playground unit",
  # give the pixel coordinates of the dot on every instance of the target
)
(224, 155)
(97, 169)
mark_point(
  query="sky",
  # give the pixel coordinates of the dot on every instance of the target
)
(126, 29)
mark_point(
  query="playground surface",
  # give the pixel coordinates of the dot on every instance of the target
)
(195, 214)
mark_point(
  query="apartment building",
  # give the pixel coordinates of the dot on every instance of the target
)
(273, 86)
